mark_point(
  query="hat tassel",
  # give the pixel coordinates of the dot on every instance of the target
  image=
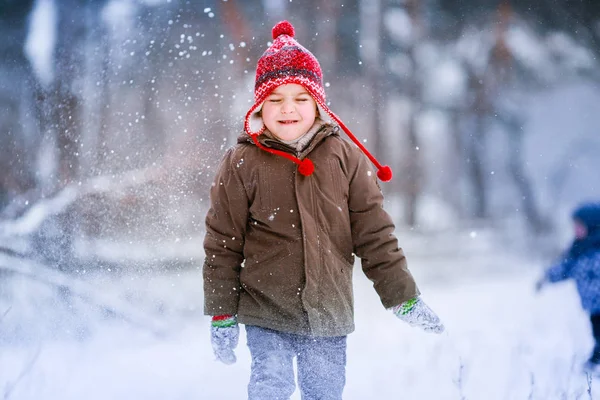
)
(305, 166)
(384, 172)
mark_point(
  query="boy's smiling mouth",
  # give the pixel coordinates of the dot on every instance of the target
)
(287, 122)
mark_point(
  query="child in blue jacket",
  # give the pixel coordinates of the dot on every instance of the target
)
(582, 263)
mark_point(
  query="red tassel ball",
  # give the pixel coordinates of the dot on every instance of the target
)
(306, 167)
(385, 173)
(283, 28)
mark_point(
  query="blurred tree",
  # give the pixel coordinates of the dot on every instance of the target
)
(158, 90)
(65, 111)
(578, 18)
(412, 161)
(17, 131)
(396, 76)
(493, 73)
(490, 90)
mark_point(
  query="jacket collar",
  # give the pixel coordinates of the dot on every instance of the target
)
(267, 139)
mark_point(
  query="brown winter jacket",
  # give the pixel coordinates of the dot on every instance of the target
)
(280, 246)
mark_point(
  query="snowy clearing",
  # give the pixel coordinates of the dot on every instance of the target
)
(502, 342)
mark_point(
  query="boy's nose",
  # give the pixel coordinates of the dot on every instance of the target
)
(286, 108)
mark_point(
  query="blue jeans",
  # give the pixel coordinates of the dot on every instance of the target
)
(321, 365)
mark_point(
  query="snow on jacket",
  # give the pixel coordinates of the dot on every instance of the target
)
(585, 270)
(280, 246)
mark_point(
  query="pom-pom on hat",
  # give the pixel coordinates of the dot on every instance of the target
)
(287, 61)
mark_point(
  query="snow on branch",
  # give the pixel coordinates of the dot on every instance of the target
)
(32, 219)
(85, 291)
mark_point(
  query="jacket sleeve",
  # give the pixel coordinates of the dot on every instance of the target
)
(224, 240)
(559, 271)
(383, 262)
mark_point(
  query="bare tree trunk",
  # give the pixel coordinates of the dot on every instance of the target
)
(378, 45)
(17, 133)
(104, 107)
(475, 155)
(453, 188)
(67, 104)
(60, 111)
(413, 172)
(372, 35)
(413, 161)
(533, 216)
(474, 130)
(326, 45)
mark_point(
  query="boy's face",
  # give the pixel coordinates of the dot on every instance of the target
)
(289, 111)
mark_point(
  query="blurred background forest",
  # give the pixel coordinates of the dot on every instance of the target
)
(114, 114)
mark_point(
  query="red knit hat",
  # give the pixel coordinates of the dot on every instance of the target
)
(286, 61)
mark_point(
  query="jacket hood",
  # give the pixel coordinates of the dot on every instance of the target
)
(589, 215)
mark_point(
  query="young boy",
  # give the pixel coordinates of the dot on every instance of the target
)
(281, 239)
(582, 263)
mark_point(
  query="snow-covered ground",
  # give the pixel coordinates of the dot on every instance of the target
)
(503, 341)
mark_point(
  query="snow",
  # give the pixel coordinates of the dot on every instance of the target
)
(116, 13)
(450, 79)
(34, 217)
(398, 24)
(274, 8)
(503, 340)
(39, 212)
(529, 50)
(41, 39)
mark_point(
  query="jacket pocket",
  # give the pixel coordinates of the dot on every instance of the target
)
(276, 254)
(348, 260)
(268, 274)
